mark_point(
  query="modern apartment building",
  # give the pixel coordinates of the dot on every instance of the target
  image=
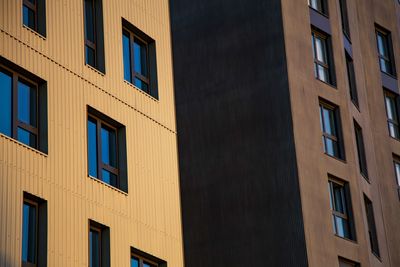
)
(88, 152)
(288, 131)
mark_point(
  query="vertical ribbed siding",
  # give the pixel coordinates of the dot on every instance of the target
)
(148, 218)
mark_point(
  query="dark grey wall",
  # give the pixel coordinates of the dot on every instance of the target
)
(239, 187)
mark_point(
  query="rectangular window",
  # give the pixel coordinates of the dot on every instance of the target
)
(396, 163)
(319, 5)
(345, 18)
(385, 51)
(34, 231)
(341, 209)
(142, 259)
(392, 114)
(139, 59)
(373, 238)
(94, 35)
(323, 59)
(347, 263)
(23, 107)
(106, 150)
(331, 130)
(34, 15)
(352, 79)
(99, 245)
(362, 161)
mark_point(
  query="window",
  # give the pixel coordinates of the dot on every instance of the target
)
(373, 238)
(345, 18)
(106, 150)
(23, 107)
(362, 161)
(323, 67)
(34, 231)
(331, 132)
(319, 5)
(352, 79)
(139, 58)
(347, 263)
(385, 51)
(142, 259)
(99, 245)
(34, 15)
(94, 36)
(392, 114)
(396, 162)
(341, 209)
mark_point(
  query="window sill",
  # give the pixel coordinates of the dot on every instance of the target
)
(95, 70)
(339, 159)
(34, 32)
(319, 12)
(329, 84)
(107, 185)
(347, 239)
(393, 76)
(23, 145)
(141, 91)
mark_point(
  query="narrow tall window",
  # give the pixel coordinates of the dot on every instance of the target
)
(319, 5)
(142, 259)
(352, 80)
(392, 114)
(94, 36)
(23, 110)
(139, 59)
(362, 161)
(323, 67)
(106, 150)
(396, 162)
(99, 245)
(34, 231)
(345, 18)
(331, 132)
(341, 209)
(373, 237)
(34, 15)
(385, 51)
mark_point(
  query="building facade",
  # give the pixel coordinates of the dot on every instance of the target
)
(88, 152)
(288, 131)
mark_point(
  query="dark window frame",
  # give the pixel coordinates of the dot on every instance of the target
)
(33, 203)
(104, 242)
(34, 9)
(39, 12)
(324, 7)
(345, 18)
(323, 104)
(143, 257)
(346, 202)
(387, 37)
(351, 75)
(15, 123)
(372, 233)
(361, 153)
(328, 66)
(396, 161)
(348, 262)
(395, 98)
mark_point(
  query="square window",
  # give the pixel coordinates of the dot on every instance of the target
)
(106, 150)
(139, 59)
(23, 106)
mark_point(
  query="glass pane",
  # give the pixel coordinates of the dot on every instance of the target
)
(385, 67)
(29, 233)
(127, 57)
(27, 97)
(28, 17)
(134, 262)
(92, 147)
(397, 169)
(342, 227)
(94, 241)
(390, 108)
(109, 178)
(393, 130)
(146, 264)
(90, 56)
(331, 147)
(89, 20)
(382, 46)
(5, 104)
(108, 146)
(140, 84)
(322, 73)
(339, 198)
(316, 4)
(329, 121)
(320, 52)
(26, 137)
(140, 56)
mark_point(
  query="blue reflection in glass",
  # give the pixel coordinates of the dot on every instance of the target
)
(5, 103)
(140, 57)
(109, 178)
(127, 57)
(26, 137)
(146, 265)
(94, 248)
(134, 262)
(108, 146)
(89, 20)
(92, 147)
(26, 104)
(29, 233)
(28, 17)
